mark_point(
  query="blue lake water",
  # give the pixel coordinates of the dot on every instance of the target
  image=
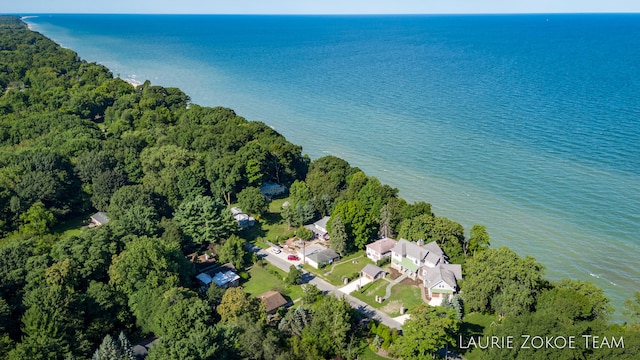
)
(528, 124)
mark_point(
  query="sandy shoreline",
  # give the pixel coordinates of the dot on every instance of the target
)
(28, 17)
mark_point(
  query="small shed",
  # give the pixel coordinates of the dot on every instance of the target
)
(372, 272)
(99, 218)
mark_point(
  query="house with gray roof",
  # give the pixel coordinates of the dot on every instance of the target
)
(310, 249)
(441, 280)
(99, 218)
(372, 272)
(408, 257)
(322, 258)
(271, 189)
(241, 218)
(319, 228)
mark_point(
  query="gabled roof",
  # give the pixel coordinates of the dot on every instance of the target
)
(433, 258)
(315, 230)
(433, 247)
(271, 189)
(322, 223)
(411, 249)
(382, 246)
(449, 273)
(223, 278)
(311, 249)
(319, 227)
(273, 300)
(372, 270)
(323, 256)
(100, 217)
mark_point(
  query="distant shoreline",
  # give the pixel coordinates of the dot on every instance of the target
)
(23, 18)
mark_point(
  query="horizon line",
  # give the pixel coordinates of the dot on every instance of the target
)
(23, 15)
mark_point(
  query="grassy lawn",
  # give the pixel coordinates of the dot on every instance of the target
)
(270, 226)
(368, 354)
(370, 291)
(407, 296)
(72, 227)
(346, 267)
(262, 279)
(474, 324)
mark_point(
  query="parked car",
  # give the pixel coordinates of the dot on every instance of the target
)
(276, 251)
(293, 257)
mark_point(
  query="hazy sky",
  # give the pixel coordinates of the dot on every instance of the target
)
(317, 6)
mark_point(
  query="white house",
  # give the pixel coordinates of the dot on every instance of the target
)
(322, 258)
(380, 249)
(243, 219)
(319, 228)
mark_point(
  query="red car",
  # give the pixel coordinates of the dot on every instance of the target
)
(293, 257)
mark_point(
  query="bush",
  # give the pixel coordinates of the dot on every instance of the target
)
(294, 277)
(304, 233)
(384, 261)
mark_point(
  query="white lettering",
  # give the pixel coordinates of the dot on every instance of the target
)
(540, 342)
(617, 344)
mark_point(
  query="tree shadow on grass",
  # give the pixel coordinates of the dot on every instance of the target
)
(254, 232)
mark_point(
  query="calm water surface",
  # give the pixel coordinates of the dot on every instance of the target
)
(527, 124)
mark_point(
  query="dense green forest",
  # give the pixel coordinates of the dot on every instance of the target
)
(74, 140)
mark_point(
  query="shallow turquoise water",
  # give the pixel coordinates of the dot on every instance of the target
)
(527, 124)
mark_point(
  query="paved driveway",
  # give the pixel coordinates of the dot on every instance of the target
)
(280, 261)
(353, 286)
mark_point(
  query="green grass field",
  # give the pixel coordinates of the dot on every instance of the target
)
(473, 324)
(71, 227)
(270, 226)
(262, 279)
(346, 267)
(407, 296)
(368, 354)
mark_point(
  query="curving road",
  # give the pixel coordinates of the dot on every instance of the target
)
(280, 261)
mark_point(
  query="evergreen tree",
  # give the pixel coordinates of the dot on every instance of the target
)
(205, 220)
(126, 349)
(108, 350)
(338, 235)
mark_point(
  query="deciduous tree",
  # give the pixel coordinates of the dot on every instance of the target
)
(251, 201)
(429, 329)
(233, 251)
(499, 281)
